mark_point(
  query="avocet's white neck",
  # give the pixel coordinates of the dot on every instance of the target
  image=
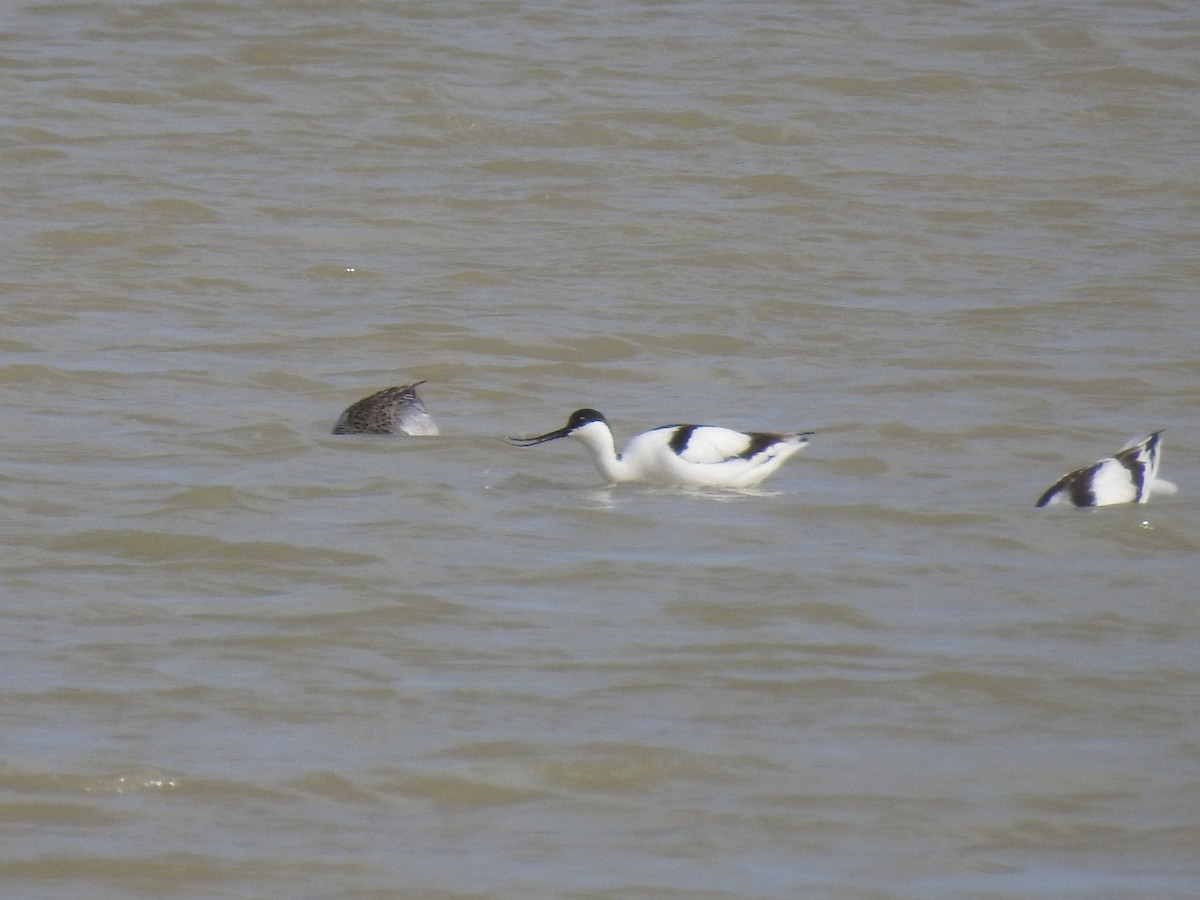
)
(598, 439)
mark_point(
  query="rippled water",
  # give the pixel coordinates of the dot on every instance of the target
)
(245, 658)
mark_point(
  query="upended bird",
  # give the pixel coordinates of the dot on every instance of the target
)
(1130, 476)
(394, 410)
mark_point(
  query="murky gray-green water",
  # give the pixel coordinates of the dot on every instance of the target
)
(243, 658)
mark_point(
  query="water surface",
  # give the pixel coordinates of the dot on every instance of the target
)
(246, 658)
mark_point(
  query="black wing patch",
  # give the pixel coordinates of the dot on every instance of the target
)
(1076, 485)
(679, 440)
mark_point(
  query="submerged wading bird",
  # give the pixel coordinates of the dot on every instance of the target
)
(394, 410)
(701, 455)
(1129, 477)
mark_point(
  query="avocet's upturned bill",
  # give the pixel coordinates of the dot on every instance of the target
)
(701, 455)
(394, 410)
(1129, 477)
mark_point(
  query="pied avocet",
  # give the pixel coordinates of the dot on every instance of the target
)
(702, 455)
(1130, 476)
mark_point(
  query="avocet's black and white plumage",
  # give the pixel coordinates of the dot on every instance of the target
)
(1129, 477)
(394, 410)
(701, 455)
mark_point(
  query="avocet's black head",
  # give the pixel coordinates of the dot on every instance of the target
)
(578, 419)
(582, 417)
